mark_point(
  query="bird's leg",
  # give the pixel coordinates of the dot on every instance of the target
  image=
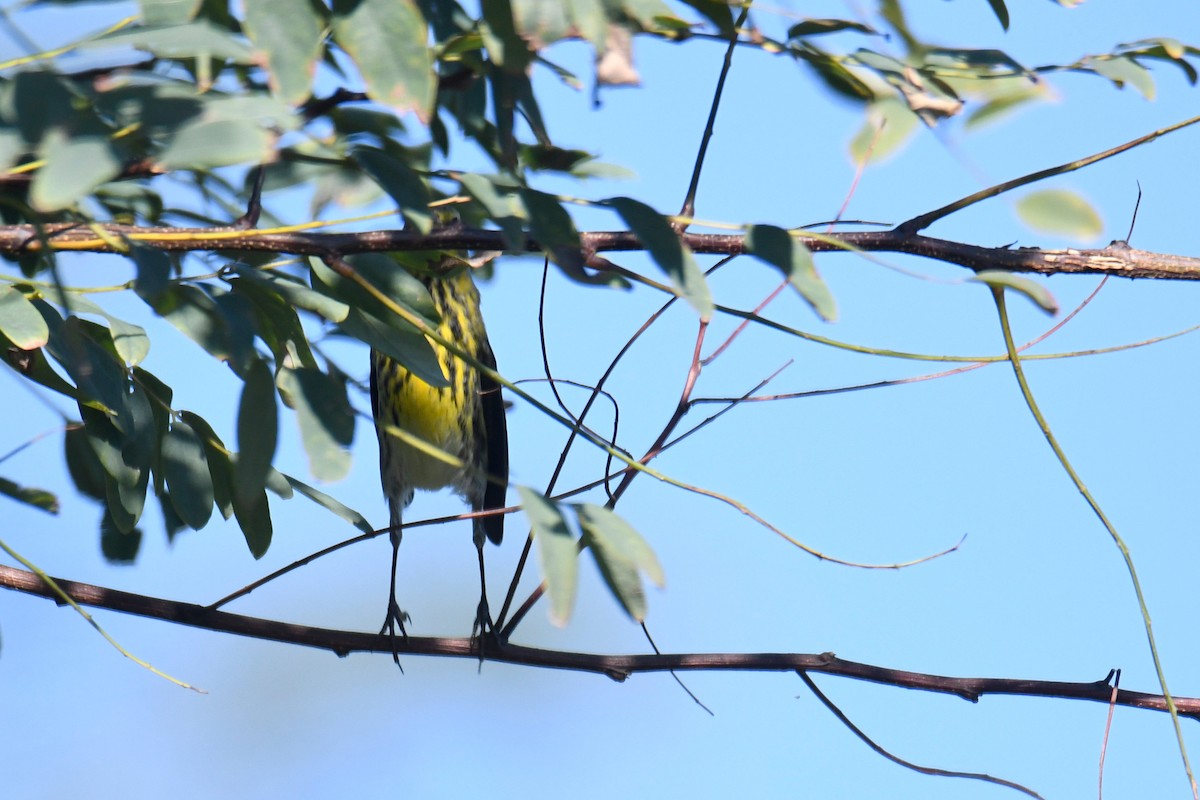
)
(393, 624)
(483, 628)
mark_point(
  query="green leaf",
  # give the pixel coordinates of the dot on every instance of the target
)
(668, 251)
(557, 553)
(590, 21)
(1061, 212)
(400, 181)
(34, 365)
(540, 22)
(654, 15)
(220, 465)
(73, 169)
(295, 293)
(153, 272)
(84, 466)
(204, 145)
(387, 40)
(137, 420)
(97, 372)
(889, 125)
(502, 204)
(278, 484)
(118, 546)
(551, 225)
(171, 520)
(408, 347)
(1030, 288)
(20, 320)
(388, 276)
(815, 27)
(780, 249)
(12, 147)
(199, 39)
(41, 102)
(277, 323)
(127, 202)
(124, 504)
(107, 444)
(129, 341)
(1122, 70)
(159, 396)
(325, 416)
(187, 475)
(38, 498)
(718, 12)
(550, 158)
(834, 74)
(254, 518)
(1001, 12)
(325, 501)
(503, 42)
(387, 332)
(257, 431)
(221, 329)
(1002, 105)
(168, 12)
(287, 34)
(126, 451)
(621, 554)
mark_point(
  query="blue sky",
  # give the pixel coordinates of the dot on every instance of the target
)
(1037, 591)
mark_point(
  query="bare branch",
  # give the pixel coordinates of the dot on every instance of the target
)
(616, 666)
(1118, 258)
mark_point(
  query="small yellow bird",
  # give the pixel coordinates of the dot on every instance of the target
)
(464, 419)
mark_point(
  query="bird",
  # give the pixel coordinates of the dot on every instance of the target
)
(464, 419)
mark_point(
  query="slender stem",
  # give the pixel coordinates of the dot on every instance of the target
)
(689, 201)
(1060, 454)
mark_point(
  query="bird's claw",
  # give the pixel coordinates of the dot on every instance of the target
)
(393, 626)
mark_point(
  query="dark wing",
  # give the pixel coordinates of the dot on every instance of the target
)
(494, 423)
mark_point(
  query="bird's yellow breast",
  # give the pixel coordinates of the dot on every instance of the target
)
(437, 415)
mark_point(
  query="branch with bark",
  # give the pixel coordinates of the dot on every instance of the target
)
(615, 666)
(1117, 259)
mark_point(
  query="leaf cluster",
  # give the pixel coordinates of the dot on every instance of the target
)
(186, 114)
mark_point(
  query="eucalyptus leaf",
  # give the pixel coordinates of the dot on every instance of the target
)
(220, 143)
(74, 167)
(1035, 291)
(257, 431)
(288, 34)
(187, 475)
(30, 496)
(1061, 212)
(557, 552)
(220, 465)
(621, 554)
(780, 249)
(668, 251)
(325, 416)
(325, 501)
(387, 40)
(117, 545)
(20, 320)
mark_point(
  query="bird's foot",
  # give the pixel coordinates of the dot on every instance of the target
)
(393, 626)
(483, 630)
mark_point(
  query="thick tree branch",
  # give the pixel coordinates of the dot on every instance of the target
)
(1118, 258)
(617, 667)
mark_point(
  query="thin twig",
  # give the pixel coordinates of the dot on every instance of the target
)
(689, 200)
(1112, 706)
(945, 773)
(1061, 455)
